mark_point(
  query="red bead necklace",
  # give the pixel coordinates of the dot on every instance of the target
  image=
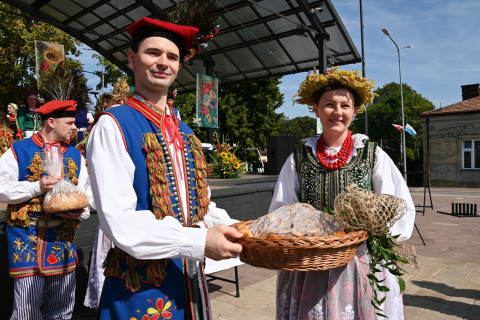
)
(341, 157)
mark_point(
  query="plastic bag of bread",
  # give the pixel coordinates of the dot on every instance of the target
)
(64, 196)
(294, 220)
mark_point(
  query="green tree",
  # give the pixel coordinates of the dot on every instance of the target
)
(385, 111)
(246, 113)
(111, 73)
(300, 127)
(17, 51)
(66, 82)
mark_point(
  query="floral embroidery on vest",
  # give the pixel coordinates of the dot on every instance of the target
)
(18, 214)
(319, 186)
(160, 310)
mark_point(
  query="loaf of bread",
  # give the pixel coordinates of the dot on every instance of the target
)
(63, 201)
(292, 220)
(242, 227)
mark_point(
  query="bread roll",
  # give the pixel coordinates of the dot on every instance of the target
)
(61, 201)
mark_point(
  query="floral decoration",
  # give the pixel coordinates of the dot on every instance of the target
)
(6, 138)
(160, 310)
(207, 101)
(226, 165)
(353, 80)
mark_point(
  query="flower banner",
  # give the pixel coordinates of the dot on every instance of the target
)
(207, 101)
(47, 56)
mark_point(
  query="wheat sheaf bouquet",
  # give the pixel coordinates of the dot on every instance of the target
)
(359, 209)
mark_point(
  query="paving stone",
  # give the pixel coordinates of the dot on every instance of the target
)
(445, 287)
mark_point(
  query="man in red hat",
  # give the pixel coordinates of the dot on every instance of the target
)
(41, 247)
(149, 184)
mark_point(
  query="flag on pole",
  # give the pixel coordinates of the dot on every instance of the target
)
(409, 129)
(399, 127)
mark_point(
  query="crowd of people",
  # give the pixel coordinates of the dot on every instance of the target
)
(24, 121)
(146, 180)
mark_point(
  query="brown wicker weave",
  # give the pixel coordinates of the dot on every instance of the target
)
(300, 253)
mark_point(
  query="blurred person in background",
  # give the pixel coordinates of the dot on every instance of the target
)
(28, 121)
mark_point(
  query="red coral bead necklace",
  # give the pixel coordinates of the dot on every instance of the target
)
(340, 157)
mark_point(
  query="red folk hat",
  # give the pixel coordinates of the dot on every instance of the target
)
(145, 27)
(57, 109)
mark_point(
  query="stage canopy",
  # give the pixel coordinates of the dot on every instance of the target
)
(258, 38)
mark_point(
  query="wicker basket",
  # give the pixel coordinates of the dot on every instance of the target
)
(300, 253)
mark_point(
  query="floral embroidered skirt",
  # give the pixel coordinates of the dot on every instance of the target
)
(342, 293)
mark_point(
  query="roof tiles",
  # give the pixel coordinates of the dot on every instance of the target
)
(471, 105)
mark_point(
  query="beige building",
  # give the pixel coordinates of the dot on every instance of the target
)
(451, 141)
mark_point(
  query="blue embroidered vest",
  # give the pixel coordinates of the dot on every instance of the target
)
(40, 251)
(139, 123)
(134, 126)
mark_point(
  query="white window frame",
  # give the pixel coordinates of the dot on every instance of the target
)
(472, 151)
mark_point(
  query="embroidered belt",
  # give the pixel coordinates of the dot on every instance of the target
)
(43, 223)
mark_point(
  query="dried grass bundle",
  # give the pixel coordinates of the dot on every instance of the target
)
(360, 209)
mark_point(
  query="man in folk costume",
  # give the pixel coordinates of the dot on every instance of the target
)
(150, 190)
(41, 248)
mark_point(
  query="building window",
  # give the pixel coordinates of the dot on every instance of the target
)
(471, 154)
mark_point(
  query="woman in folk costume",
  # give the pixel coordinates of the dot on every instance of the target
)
(28, 121)
(41, 246)
(321, 168)
(150, 190)
(12, 109)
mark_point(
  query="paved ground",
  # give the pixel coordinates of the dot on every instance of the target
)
(446, 285)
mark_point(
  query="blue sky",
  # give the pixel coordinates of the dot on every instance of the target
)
(446, 53)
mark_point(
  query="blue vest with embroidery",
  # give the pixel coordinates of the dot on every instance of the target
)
(172, 290)
(134, 125)
(40, 251)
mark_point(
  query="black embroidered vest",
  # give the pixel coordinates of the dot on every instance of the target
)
(319, 186)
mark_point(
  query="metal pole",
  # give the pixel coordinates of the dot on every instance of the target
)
(363, 59)
(103, 71)
(401, 99)
(403, 117)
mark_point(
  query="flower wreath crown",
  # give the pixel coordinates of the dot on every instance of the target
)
(362, 87)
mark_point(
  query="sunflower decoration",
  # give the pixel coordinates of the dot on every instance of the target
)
(52, 56)
(318, 83)
(225, 163)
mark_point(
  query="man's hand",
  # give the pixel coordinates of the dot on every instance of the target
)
(70, 214)
(47, 182)
(217, 246)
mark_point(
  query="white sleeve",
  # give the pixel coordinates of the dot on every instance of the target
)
(287, 188)
(138, 233)
(388, 179)
(11, 190)
(84, 185)
(89, 116)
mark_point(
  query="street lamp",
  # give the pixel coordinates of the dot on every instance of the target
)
(387, 33)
